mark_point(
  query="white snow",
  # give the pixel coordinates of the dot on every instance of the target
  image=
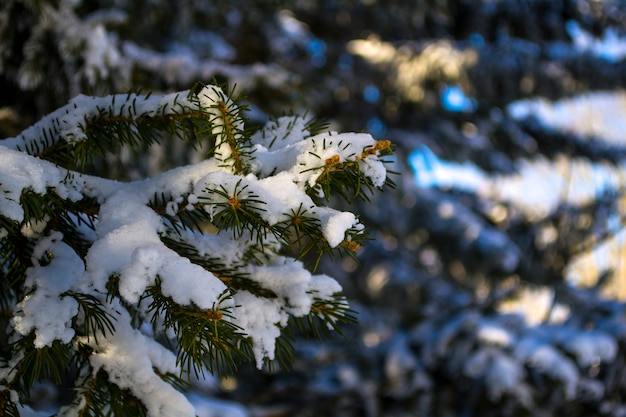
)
(101, 53)
(495, 334)
(335, 224)
(281, 196)
(261, 319)
(184, 66)
(547, 359)
(289, 281)
(430, 171)
(127, 241)
(45, 310)
(611, 47)
(502, 374)
(537, 188)
(129, 358)
(20, 173)
(323, 286)
(590, 348)
(505, 375)
(597, 114)
(542, 185)
(68, 122)
(282, 132)
(130, 247)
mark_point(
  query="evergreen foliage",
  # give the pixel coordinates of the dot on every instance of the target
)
(126, 290)
(494, 281)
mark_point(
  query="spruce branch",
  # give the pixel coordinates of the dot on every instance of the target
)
(15, 253)
(96, 319)
(326, 314)
(345, 178)
(98, 397)
(90, 127)
(181, 217)
(207, 339)
(49, 362)
(7, 407)
(302, 231)
(187, 250)
(238, 210)
(233, 147)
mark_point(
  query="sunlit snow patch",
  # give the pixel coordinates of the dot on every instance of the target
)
(537, 188)
(599, 114)
(430, 171)
(611, 47)
(537, 305)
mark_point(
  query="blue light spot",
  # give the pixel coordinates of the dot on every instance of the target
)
(317, 47)
(454, 100)
(371, 94)
(376, 127)
(477, 40)
(345, 62)
(317, 50)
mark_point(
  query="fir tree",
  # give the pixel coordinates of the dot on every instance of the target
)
(127, 289)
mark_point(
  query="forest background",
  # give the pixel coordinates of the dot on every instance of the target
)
(494, 281)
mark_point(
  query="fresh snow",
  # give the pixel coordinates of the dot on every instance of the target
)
(20, 173)
(129, 357)
(69, 122)
(56, 269)
(126, 242)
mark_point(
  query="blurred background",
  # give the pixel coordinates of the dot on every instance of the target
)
(494, 282)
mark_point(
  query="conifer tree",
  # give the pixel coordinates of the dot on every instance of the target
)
(127, 289)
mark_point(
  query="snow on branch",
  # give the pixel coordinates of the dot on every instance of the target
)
(72, 122)
(97, 269)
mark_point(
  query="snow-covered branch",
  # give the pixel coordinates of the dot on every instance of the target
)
(194, 254)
